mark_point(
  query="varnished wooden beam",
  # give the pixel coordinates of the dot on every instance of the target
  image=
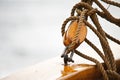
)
(90, 73)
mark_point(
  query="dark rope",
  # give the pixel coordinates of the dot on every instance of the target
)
(106, 15)
(112, 3)
(112, 38)
(114, 74)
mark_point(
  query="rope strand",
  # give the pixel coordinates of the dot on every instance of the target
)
(65, 22)
(83, 10)
(112, 3)
(81, 18)
(99, 53)
(99, 65)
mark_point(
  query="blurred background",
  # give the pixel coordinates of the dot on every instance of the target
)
(30, 31)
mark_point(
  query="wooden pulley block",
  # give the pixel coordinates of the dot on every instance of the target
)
(71, 32)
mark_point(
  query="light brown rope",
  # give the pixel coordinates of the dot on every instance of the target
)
(99, 65)
(99, 53)
(65, 22)
(81, 9)
(78, 5)
(81, 18)
(107, 51)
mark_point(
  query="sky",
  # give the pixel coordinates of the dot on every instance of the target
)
(30, 31)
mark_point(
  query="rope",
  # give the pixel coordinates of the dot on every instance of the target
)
(99, 36)
(114, 74)
(106, 15)
(106, 48)
(112, 38)
(112, 3)
(83, 10)
(93, 11)
(80, 23)
(99, 65)
(99, 53)
(65, 22)
(78, 5)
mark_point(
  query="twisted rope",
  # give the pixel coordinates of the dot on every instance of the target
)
(106, 48)
(99, 65)
(112, 38)
(99, 53)
(85, 9)
(99, 36)
(106, 15)
(65, 22)
(114, 74)
(91, 12)
(80, 23)
(80, 5)
(112, 3)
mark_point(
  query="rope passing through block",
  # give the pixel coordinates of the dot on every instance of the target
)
(74, 36)
(77, 31)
